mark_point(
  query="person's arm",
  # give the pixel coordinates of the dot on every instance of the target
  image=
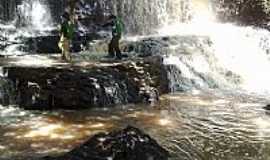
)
(60, 29)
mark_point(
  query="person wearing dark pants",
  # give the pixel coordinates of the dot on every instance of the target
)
(117, 29)
(114, 49)
(67, 32)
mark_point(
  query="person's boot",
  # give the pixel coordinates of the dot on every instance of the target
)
(68, 58)
(62, 58)
(119, 55)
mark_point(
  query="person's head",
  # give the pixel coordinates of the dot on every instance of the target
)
(65, 17)
(112, 17)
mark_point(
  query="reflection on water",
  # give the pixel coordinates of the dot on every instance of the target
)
(203, 126)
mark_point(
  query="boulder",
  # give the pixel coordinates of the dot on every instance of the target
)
(97, 85)
(127, 144)
(147, 47)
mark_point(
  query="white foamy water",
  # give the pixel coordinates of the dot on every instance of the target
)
(227, 48)
(36, 15)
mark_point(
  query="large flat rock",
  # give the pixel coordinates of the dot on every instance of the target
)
(83, 84)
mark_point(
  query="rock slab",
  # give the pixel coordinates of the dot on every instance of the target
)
(97, 85)
(128, 144)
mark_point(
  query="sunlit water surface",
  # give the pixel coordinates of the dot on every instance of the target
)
(197, 125)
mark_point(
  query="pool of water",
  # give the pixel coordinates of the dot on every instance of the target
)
(208, 125)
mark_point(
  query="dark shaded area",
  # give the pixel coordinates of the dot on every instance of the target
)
(49, 44)
(127, 144)
(267, 107)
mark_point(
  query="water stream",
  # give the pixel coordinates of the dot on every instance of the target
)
(222, 69)
(199, 125)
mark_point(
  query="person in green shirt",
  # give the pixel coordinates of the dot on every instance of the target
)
(117, 30)
(66, 33)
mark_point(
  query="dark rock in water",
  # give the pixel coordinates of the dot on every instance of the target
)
(127, 144)
(147, 47)
(74, 87)
(267, 107)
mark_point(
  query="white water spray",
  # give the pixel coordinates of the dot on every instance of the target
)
(35, 15)
(241, 51)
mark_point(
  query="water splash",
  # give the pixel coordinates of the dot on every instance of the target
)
(228, 53)
(35, 16)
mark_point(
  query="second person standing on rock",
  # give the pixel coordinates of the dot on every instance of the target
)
(117, 30)
(66, 31)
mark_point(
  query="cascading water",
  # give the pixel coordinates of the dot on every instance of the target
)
(32, 18)
(200, 54)
(34, 15)
(141, 16)
(225, 55)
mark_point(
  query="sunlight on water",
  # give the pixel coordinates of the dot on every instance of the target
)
(184, 123)
(2, 147)
(263, 126)
(44, 129)
(164, 122)
(234, 48)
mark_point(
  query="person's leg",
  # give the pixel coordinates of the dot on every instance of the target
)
(111, 49)
(61, 47)
(117, 48)
(66, 50)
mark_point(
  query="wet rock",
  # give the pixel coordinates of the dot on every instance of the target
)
(49, 44)
(267, 107)
(127, 144)
(100, 85)
(178, 83)
(146, 47)
(166, 45)
(6, 91)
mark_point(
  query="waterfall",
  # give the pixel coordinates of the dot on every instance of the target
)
(33, 18)
(203, 42)
(209, 54)
(140, 16)
(23, 19)
(34, 15)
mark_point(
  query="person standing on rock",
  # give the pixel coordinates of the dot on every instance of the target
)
(66, 33)
(117, 30)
